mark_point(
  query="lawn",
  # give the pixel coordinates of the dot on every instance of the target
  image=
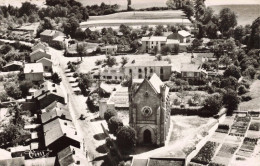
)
(254, 104)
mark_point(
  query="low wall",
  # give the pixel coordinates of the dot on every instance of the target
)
(205, 139)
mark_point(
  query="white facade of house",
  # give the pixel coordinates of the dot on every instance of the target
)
(47, 64)
(38, 54)
(33, 71)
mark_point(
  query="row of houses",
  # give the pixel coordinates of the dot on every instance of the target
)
(55, 141)
(145, 69)
(180, 38)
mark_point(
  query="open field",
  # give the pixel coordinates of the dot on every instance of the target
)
(253, 104)
(168, 14)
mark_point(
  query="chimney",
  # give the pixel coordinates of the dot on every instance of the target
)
(53, 85)
(76, 133)
(73, 151)
(78, 162)
(65, 123)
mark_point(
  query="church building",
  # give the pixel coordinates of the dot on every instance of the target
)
(149, 111)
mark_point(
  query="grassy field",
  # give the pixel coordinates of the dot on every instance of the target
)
(169, 14)
(253, 104)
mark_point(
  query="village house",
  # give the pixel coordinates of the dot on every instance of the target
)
(48, 35)
(145, 69)
(48, 93)
(38, 54)
(47, 64)
(54, 114)
(149, 111)
(109, 73)
(59, 134)
(40, 45)
(72, 156)
(13, 66)
(53, 38)
(33, 72)
(109, 49)
(183, 36)
(149, 44)
(190, 71)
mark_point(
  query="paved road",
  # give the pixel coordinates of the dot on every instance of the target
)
(77, 105)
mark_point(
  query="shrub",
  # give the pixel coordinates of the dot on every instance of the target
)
(254, 126)
(233, 71)
(126, 138)
(12, 90)
(24, 87)
(212, 104)
(109, 113)
(246, 98)
(55, 78)
(242, 90)
(206, 153)
(3, 96)
(231, 101)
(114, 123)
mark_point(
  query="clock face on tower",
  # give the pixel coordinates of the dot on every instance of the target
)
(147, 111)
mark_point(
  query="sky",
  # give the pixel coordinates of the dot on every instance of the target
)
(223, 2)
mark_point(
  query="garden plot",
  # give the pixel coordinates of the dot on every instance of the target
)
(240, 126)
(218, 137)
(206, 153)
(247, 147)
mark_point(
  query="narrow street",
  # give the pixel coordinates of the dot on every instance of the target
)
(88, 128)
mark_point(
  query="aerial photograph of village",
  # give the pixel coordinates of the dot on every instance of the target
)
(129, 82)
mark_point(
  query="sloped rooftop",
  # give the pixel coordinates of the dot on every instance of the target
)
(33, 68)
(147, 63)
(59, 128)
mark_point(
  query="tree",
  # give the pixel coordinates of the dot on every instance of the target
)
(33, 18)
(229, 82)
(24, 87)
(85, 81)
(4, 49)
(81, 50)
(239, 32)
(231, 100)
(233, 71)
(20, 21)
(3, 96)
(159, 30)
(27, 9)
(71, 26)
(12, 90)
(228, 19)
(114, 123)
(110, 61)
(188, 10)
(250, 72)
(242, 90)
(225, 60)
(126, 138)
(98, 62)
(255, 35)
(212, 104)
(47, 23)
(124, 60)
(109, 113)
(55, 78)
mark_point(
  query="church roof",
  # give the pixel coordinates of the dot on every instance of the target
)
(156, 82)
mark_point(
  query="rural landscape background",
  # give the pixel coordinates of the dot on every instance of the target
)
(246, 10)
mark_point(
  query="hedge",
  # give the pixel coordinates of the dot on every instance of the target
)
(206, 153)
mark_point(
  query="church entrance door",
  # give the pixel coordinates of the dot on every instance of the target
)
(147, 137)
